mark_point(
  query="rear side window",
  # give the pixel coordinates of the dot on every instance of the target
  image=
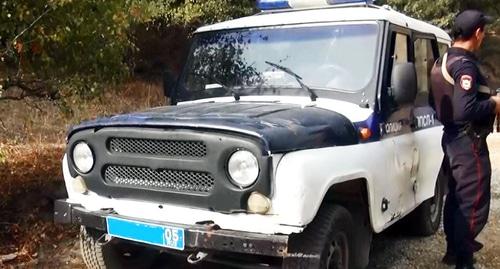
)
(399, 52)
(401, 49)
(442, 48)
(424, 60)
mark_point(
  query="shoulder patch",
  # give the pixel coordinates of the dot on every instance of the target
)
(466, 82)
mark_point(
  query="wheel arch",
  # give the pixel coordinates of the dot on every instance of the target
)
(354, 195)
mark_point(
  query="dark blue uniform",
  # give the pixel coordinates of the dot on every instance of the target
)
(462, 102)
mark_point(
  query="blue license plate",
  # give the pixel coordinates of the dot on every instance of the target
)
(159, 235)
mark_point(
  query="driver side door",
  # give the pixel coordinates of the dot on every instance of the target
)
(397, 138)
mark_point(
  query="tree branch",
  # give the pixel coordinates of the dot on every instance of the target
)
(31, 25)
(28, 88)
(12, 98)
(2, 124)
(494, 5)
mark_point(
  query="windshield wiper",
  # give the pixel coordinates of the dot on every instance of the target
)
(287, 70)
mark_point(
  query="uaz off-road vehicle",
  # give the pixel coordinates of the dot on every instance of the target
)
(294, 135)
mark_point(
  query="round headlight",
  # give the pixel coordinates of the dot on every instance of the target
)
(83, 157)
(243, 168)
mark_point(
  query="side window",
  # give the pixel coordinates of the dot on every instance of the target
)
(442, 48)
(424, 60)
(399, 54)
(396, 117)
(401, 49)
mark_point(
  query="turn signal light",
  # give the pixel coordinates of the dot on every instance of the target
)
(79, 185)
(258, 203)
(365, 133)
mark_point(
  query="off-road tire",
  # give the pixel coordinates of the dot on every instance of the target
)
(310, 249)
(426, 218)
(97, 255)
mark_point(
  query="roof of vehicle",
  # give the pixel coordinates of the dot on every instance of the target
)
(329, 14)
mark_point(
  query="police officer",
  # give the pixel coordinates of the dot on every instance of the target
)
(467, 108)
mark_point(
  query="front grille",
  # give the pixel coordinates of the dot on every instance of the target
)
(169, 180)
(167, 165)
(167, 148)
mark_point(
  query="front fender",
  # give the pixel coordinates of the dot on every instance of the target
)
(304, 177)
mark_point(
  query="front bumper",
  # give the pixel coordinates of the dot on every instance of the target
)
(197, 237)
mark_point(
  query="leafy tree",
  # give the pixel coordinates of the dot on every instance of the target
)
(162, 39)
(197, 12)
(52, 47)
(442, 12)
(47, 47)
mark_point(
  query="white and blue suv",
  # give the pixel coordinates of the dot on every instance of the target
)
(293, 136)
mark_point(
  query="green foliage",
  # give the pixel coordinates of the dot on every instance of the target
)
(442, 12)
(57, 48)
(197, 12)
(58, 42)
(438, 12)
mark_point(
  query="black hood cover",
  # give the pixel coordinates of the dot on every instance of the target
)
(281, 127)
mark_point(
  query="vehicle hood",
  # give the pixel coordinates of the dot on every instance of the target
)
(280, 127)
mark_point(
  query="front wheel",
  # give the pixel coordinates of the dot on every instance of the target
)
(325, 243)
(425, 220)
(113, 253)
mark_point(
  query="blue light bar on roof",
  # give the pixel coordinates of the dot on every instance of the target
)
(285, 4)
(339, 2)
(272, 4)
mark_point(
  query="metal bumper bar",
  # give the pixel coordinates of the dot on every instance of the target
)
(197, 237)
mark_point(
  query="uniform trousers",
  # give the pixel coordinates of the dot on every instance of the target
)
(468, 169)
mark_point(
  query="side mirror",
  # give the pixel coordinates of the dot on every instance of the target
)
(169, 83)
(404, 83)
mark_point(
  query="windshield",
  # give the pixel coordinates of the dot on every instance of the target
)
(327, 57)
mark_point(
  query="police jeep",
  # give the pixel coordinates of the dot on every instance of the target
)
(293, 136)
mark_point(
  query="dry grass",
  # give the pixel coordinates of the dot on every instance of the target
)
(32, 135)
(41, 122)
(130, 97)
(29, 177)
(30, 164)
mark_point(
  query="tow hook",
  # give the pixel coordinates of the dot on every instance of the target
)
(196, 257)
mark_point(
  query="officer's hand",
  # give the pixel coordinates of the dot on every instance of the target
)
(497, 100)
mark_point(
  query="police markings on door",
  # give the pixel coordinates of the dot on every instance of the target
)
(421, 122)
(391, 127)
(425, 121)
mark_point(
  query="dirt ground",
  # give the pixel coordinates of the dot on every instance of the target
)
(389, 250)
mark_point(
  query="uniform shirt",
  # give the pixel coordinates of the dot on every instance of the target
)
(462, 104)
